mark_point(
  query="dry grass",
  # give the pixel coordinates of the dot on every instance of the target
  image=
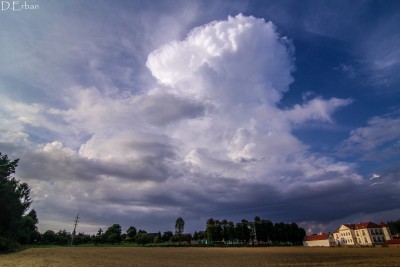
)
(138, 256)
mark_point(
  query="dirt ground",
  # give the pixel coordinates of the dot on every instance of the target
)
(143, 256)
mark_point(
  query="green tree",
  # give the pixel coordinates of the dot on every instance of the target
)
(157, 238)
(99, 237)
(218, 231)
(28, 233)
(294, 236)
(243, 231)
(179, 227)
(130, 234)
(268, 227)
(113, 234)
(231, 232)
(49, 237)
(259, 230)
(15, 201)
(142, 237)
(82, 238)
(394, 227)
(225, 230)
(280, 232)
(166, 236)
(201, 235)
(301, 235)
(210, 233)
(63, 238)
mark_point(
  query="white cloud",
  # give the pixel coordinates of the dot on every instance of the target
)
(218, 60)
(378, 140)
(240, 67)
(21, 122)
(316, 109)
(210, 127)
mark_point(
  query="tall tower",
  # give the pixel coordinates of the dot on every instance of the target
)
(74, 232)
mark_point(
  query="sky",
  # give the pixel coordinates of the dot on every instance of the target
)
(140, 112)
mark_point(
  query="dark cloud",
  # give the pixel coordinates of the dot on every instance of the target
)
(161, 109)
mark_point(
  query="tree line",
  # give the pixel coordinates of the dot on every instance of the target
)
(217, 232)
(259, 231)
(113, 235)
(18, 225)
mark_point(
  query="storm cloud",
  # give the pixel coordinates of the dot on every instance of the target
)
(193, 127)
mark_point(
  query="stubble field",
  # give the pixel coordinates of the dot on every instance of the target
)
(142, 256)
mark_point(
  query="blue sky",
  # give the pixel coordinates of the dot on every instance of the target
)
(137, 113)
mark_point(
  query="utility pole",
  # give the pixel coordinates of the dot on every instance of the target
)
(74, 232)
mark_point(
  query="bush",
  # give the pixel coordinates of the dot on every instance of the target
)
(7, 245)
(143, 238)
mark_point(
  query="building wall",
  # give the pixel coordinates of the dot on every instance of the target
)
(370, 236)
(377, 235)
(345, 236)
(386, 232)
(363, 237)
(316, 243)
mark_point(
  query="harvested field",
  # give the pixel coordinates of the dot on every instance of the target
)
(142, 256)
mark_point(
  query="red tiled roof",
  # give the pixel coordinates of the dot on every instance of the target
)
(367, 225)
(383, 224)
(316, 237)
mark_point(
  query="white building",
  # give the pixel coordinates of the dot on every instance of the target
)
(362, 234)
(319, 240)
(345, 236)
(369, 233)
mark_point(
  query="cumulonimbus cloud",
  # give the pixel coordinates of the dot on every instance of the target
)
(240, 67)
(215, 112)
(241, 59)
(211, 126)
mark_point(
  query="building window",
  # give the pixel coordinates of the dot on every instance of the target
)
(363, 232)
(365, 239)
(357, 233)
(374, 239)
